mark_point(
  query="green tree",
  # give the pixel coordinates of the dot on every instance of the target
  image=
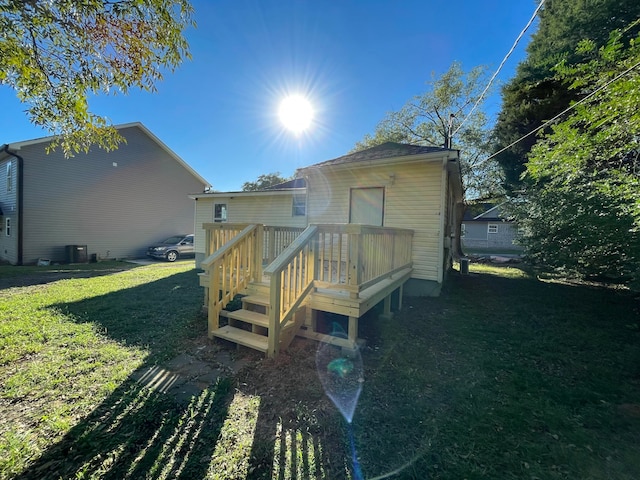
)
(57, 53)
(581, 207)
(536, 94)
(264, 181)
(435, 118)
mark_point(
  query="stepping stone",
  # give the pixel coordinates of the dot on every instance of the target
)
(158, 379)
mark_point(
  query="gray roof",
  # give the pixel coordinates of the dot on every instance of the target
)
(384, 150)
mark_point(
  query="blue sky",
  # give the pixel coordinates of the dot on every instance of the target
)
(354, 59)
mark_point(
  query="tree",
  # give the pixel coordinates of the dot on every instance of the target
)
(264, 181)
(581, 206)
(55, 54)
(536, 94)
(435, 118)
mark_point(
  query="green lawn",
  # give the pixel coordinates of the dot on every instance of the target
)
(505, 375)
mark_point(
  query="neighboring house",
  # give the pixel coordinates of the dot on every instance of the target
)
(378, 221)
(486, 228)
(113, 203)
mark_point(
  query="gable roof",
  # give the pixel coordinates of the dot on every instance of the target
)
(18, 145)
(383, 151)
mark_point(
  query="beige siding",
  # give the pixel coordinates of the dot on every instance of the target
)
(412, 200)
(116, 203)
(273, 210)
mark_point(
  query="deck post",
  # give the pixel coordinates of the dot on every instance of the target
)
(271, 250)
(259, 249)
(400, 293)
(353, 330)
(386, 311)
(274, 315)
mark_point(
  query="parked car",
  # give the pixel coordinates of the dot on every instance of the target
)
(173, 248)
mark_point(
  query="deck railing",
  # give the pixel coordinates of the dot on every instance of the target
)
(231, 268)
(354, 257)
(275, 239)
(344, 257)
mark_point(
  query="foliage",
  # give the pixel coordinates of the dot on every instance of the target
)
(536, 94)
(582, 202)
(264, 181)
(56, 54)
(434, 118)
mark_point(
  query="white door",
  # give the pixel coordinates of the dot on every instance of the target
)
(367, 206)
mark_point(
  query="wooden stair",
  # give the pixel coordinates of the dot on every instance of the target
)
(249, 326)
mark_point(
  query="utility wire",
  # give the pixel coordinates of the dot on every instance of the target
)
(504, 60)
(568, 109)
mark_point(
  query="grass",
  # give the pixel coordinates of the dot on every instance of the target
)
(505, 375)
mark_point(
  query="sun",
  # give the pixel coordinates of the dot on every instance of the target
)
(296, 113)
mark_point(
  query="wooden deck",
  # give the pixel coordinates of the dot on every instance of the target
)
(342, 269)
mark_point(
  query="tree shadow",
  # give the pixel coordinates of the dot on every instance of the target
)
(140, 432)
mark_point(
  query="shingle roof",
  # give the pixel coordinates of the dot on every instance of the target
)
(294, 183)
(384, 150)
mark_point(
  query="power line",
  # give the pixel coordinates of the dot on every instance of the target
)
(568, 109)
(504, 60)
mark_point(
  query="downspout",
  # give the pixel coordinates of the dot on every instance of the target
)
(443, 220)
(20, 174)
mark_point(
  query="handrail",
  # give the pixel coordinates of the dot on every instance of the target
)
(231, 269)
(289, 252)
(206, 263)
(292, 276)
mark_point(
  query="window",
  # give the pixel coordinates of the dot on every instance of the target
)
(299, 205)
(463, 229)
(220, 212)
(493, 228)
(9, 178)
(7, 227)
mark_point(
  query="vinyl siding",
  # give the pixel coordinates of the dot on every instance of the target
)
(272, 210)
(9, 205)
(116, 203)
(412, 200)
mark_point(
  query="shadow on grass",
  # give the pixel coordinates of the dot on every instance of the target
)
(137, 432)
(503, 378)
(16, 276)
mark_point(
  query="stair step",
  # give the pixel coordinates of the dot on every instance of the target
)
(257, 300)
(242, 337)
(248, 316)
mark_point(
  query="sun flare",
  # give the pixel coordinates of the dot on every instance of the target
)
(296, 113)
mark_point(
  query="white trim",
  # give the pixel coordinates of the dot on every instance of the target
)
(490, 210)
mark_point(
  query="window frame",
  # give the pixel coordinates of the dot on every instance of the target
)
(492, 228)
(9, 176)
(220, 217)
(7, 226)
(299, 208)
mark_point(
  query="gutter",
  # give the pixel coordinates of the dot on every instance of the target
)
(20, 175)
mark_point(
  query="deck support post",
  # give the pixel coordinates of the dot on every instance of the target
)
(400, 294)
(353, 329)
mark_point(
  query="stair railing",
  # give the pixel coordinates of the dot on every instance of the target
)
(231, 268)
(292, 277)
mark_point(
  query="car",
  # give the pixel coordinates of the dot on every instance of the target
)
(173, 248)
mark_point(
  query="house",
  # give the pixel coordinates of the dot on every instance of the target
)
(487, 228)
(282, 205)
(102, 204)
(365, 227)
